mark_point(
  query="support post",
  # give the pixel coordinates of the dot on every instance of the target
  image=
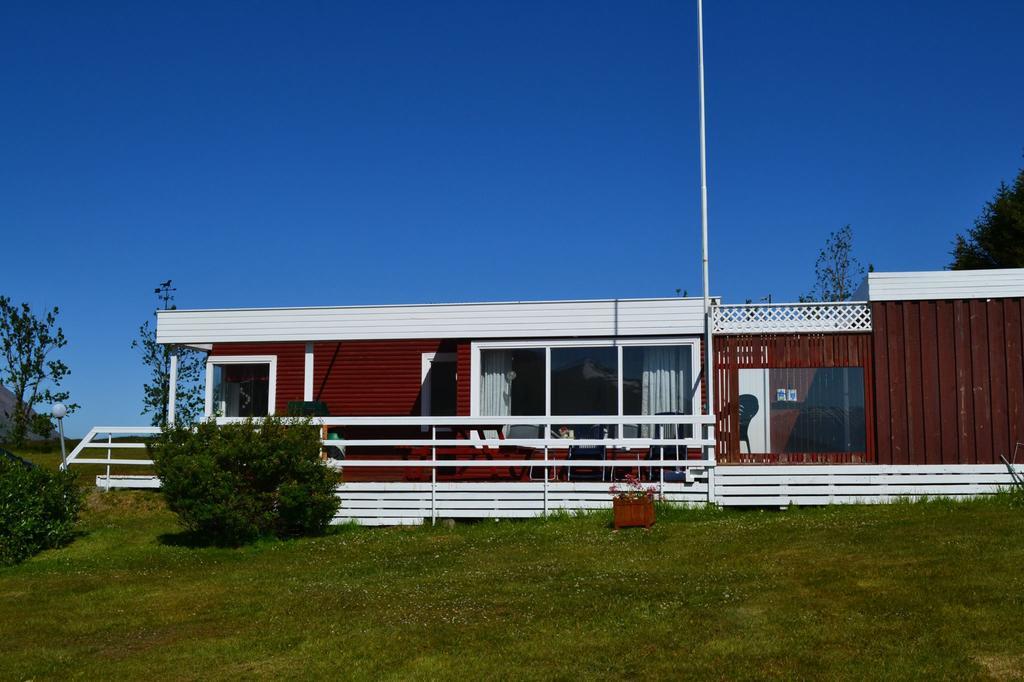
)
(307, 383)
(110, 439)
(433, 476)
(172, 388)
(546, 475)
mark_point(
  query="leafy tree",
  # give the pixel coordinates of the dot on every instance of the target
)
(837, 271)
(27, 368)
(997, 238)
(156, 357)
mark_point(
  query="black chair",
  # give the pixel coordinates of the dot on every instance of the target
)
(749, 407)
(583, 452)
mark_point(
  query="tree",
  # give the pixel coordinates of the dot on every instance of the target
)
(997, 238)
(837, 271)
(27, 368)
(157, 359)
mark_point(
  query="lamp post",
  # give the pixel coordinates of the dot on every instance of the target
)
(59, 411)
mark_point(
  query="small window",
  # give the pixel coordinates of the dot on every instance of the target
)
(241, 390)
(803, 410)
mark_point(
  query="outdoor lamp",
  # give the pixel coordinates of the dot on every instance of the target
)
(59, 411)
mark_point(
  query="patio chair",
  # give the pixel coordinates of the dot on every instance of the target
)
(749, 407)
(584, 452)
(525, 431)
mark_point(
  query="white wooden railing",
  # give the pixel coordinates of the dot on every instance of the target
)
(768, 318)
(438, 436)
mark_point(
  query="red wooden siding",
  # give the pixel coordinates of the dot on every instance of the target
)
(372, 378)
(291, 366)
(950, 380)
(463, 375)
(760, 351)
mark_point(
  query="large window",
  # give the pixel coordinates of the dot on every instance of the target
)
(575, 379)
(512, 382)
(805, 410)
(585, 380)
(241, 386)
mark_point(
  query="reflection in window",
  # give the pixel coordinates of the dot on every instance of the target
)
(584, 381)
(241, 390)
(802, 410)
(512, 382)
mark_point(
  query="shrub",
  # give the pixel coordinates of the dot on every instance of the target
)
(38, 509)
(233, 483)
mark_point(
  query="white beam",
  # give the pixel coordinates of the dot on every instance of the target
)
(172, 388)
(307, 384)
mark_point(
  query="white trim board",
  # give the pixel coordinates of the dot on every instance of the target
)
(942, 285)
(542, 319)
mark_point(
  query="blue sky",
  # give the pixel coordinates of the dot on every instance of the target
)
(325, 153)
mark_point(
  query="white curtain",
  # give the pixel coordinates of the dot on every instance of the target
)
(665, 383)
(495, 383)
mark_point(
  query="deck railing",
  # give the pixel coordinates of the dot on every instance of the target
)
(698, 435)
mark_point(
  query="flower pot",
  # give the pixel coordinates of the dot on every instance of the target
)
(633, 512)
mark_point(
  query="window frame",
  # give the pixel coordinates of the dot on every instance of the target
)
(548, 344)
(213, 360)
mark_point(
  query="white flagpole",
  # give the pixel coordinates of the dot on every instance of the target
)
(708, 366)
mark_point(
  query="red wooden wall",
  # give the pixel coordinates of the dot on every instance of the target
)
(291, 366)
(359, 378)
(785, 351)
(950, 380)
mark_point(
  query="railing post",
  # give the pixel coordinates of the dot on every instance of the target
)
(433, 476)
(546, 434)
(110, 439)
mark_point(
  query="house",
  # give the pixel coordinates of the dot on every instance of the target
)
(516, 409)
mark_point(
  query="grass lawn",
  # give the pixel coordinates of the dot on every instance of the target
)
(900, 591)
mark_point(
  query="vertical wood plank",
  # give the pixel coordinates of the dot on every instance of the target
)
(883, 415)
(930, 395)
(980, 382)
(1012, 319)
(964, 386)
(947, 391)
(897, 384)
(912, 369)
(998, 380)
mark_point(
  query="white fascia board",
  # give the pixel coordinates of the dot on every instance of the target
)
(541, 319)
(943, 285)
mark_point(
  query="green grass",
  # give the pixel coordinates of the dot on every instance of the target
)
(900, 591)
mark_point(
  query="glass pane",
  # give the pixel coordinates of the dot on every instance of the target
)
(584, 381)
(657, 380)
(241, 390)
(802, 410)
(512, 382)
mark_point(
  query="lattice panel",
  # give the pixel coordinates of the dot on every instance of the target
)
(791, 317)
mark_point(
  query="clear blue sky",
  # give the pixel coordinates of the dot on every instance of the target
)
(267, 154)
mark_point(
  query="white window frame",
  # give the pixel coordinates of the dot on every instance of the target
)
(241, 360)
(548, 344)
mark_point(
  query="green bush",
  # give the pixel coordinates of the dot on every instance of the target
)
(233, 483)
(38, 510)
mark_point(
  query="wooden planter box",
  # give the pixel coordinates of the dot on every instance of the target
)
(633, 513)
